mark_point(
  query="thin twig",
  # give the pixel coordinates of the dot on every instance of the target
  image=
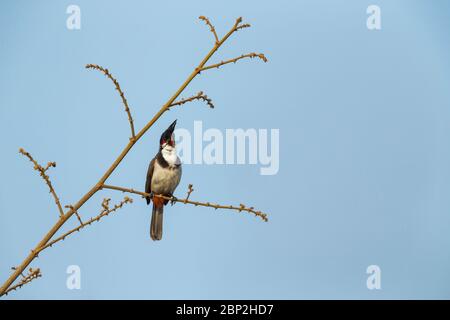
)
(238, 25)
(122, 95)
(241, 207)
(79, 218)
(211, 27)
(243, 26)
(234, 60)
(190, 190)
(106, 210)
(198, 96)
(32, 274)
(100, 183)
(42, 172)
(76, 213)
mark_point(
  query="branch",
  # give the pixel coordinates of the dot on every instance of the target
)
(117, 85)
(249, 55)
(190, 190)
(42, 172)
(75, 212)
(106, 210)
(32, 274)
(198, 96)
(211, 27)
(242, 26)
(239, 208)
(238, 25)
(72, 210)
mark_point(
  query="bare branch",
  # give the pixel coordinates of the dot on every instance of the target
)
(106, 210)
(249, 55)
(32, 274)
(117, 85)
(243, 26)
(48, 239)
(239, 208)
(190, 190)
(198, 96)
(238, 25)
(76, 213)
(42, 172)
(211, 27)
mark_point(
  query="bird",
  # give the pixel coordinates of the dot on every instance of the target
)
(163, 177)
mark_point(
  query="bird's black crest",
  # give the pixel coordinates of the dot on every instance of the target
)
(167, 135)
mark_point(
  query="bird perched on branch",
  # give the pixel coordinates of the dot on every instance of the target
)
(163, 176)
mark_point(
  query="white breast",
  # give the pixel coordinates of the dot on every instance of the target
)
(165, 180)
(169, 154)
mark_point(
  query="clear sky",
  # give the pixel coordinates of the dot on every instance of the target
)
(364, 157)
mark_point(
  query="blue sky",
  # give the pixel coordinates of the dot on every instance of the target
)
(363, 118)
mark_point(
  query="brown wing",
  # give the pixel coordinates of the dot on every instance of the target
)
(148, 182)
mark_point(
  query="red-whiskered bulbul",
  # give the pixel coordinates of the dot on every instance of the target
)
(163, 176)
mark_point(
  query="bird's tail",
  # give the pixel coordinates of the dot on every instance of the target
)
(156, 225)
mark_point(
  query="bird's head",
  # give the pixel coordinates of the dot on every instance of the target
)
(168, 138)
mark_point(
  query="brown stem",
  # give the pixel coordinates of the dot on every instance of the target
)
(239, 208)
(190, 190)
(106, 211)
(198, 96)
(42, 172)
(249, 55)
(122, 95)
(71, 211)
(32, 274)
(211, 27)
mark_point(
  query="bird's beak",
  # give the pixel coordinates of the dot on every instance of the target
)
(167, 135)
(171, 128)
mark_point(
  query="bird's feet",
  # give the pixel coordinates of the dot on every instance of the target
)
(151, 195)
(173, 200)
